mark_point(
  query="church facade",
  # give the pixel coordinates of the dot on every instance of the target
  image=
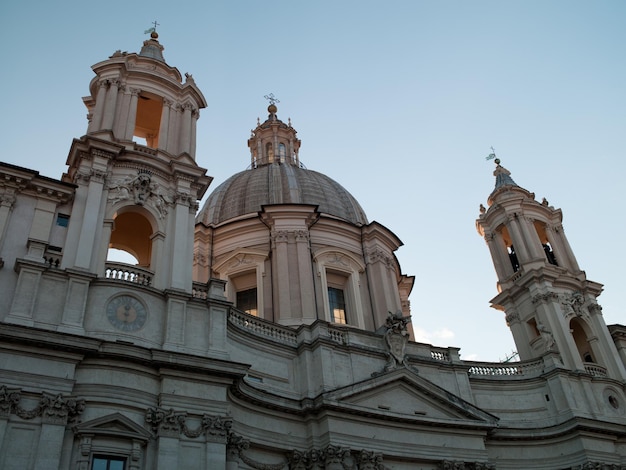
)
(271, 328)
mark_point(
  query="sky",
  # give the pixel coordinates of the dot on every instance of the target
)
(399, 101)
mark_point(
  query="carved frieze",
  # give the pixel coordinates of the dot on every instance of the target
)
(545, 298)
(460, 465)
(53, 409)
(174, 423)
(141, 190)
(379, 256)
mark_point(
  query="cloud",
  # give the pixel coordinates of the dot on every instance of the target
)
(433, 337)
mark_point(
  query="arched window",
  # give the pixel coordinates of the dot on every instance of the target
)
(269, 152)
(282, 152)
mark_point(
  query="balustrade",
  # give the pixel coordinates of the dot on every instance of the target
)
(595, 369)
(504, 369)
(127, 273)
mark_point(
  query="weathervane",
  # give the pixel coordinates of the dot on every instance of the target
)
(271, 98)
(492, 155)
(153, 29)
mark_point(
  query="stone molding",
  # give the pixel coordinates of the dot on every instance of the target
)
(53, 409)
(173, 423)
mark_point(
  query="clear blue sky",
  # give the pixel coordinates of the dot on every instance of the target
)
(399, 101)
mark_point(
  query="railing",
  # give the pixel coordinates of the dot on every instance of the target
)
(336, 335)
(127, 273)
(490, 369)
(440, 355)
(595, 370)
(262, 327)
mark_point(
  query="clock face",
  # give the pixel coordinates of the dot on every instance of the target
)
(126, 313)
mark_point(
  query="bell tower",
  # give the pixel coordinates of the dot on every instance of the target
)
(138, 184)
(549, 303)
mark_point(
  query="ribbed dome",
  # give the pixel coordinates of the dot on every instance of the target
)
(276, 183)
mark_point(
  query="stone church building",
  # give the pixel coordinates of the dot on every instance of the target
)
(270, 329)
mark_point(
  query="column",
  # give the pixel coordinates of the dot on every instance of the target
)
(179, 245)
(6, 207)
(517, 240)
(185, 132)
(533, 243)
(194, 121)
(98, 112)
(560, 241)
(165, 123)
(109, 109)
(500, 258)
(281, 289)
(40, 228)
(167, 453)
(50, 446)
(215, 455)
(132, 114)
(89, 226)
(305, 274)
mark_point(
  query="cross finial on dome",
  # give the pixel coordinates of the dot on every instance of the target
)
(271, 98)
(152, 31)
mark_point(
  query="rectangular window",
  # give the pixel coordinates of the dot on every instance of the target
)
(337, 305)
(246, 301)
(103, 462)
(63, 220)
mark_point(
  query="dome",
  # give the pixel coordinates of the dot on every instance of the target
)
(278, 183)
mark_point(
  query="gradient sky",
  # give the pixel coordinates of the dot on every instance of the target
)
(399, 101)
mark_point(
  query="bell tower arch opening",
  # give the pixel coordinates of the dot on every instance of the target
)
(545, 242)
(132, 233)
(148, 121)
(579, 333)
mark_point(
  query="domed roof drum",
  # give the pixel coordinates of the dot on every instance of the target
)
(277, 177)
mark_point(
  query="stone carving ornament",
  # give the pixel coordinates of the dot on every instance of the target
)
(174, 423)
(54, 409)
(140, 190)
(396, 339)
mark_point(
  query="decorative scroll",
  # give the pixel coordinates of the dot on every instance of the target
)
(53, 409)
